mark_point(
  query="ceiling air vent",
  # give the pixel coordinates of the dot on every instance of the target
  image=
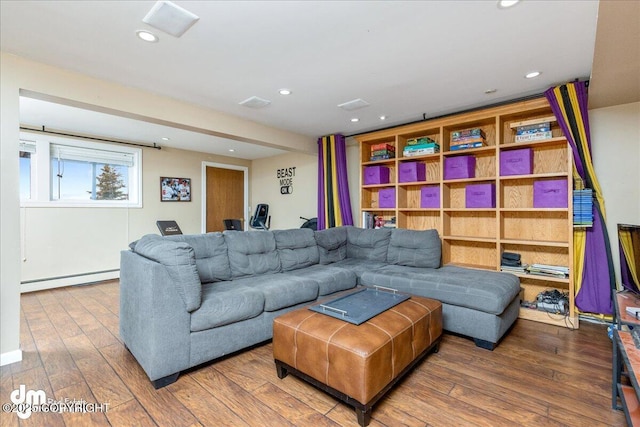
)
(355, 104)
(170, 18)
(255, 102)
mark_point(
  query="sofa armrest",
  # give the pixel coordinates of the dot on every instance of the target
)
(154, 328)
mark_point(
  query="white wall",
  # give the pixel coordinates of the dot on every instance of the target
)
(20, 74)
(60, 242)
(286, 209)
(615, 145)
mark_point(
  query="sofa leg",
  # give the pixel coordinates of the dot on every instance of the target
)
(165, 381)
(487, 345)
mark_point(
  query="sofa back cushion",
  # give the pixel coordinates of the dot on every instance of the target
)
(297, 248)
(414, 248)
(367, 243)
(332, 244)
(180, 260)
(251, 253)
(211, 255)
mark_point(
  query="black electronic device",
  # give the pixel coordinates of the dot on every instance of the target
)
(232, 224)
(168, 228)
(261, 219)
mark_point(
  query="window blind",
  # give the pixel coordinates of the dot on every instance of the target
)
(68, 152)
(28, 146)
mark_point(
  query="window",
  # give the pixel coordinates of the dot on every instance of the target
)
(79, 173)
(27, 151)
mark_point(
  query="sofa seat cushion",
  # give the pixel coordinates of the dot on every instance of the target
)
(280, 290)
(359, 266)
(252, 253)
(224, 303)
(211, 255)
(330, 279)
(487, 291)
(297, 248)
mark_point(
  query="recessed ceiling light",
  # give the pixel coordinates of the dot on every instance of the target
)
(489, 91)
(532, 74)
(284, 92)
(231, 150)
(355, 119)
(147, 36)
(383, 117)
(504, 4)
(164, 138)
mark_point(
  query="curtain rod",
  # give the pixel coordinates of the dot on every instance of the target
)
(93, 138)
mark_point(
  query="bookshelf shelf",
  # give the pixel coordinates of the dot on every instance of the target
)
(476, 237)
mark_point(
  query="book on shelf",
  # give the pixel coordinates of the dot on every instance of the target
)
(550, 119)
(474, 132)
(549, 270)
(383, 146)
(421, 146)
(382, 157)
(533, 128)
(420, 140)
(522, 269)
(538, 136)
(420, 152)
(467, 145)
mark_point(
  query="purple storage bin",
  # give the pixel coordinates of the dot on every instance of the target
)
(430, 196)
(376, 175)
(459, 167)
(480, 195)
(550, 193)
(387, 198)
(412, 172)
(516, 162)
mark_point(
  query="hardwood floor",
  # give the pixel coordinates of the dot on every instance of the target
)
(539, 375)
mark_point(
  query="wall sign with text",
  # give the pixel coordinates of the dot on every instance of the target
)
(285, 177)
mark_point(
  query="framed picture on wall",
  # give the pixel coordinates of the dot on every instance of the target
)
(175, 189)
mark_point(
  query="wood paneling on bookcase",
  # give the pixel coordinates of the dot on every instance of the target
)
(475, 237)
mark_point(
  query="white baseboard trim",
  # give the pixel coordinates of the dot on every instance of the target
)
(84, 279)
(10, 357)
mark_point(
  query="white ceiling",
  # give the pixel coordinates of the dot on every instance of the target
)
(408, 59)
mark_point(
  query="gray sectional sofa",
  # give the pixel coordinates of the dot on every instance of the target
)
(189, 299)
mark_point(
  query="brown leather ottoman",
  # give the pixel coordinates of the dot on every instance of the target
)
(357, 364)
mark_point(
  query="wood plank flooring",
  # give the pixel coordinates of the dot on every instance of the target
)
(540, 375)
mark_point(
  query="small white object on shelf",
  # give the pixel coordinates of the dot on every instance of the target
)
(634, 311)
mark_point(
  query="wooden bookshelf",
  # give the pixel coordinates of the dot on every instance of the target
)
(477, 237)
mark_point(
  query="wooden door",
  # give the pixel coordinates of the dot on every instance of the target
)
(225, 197)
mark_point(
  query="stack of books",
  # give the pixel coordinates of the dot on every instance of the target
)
(557, 271)
(511, 263)
(468, 138)
(533, 131)
(420, 146)
(583, 208)
(382, 152)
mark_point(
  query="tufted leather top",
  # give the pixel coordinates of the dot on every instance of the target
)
(358, 361)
